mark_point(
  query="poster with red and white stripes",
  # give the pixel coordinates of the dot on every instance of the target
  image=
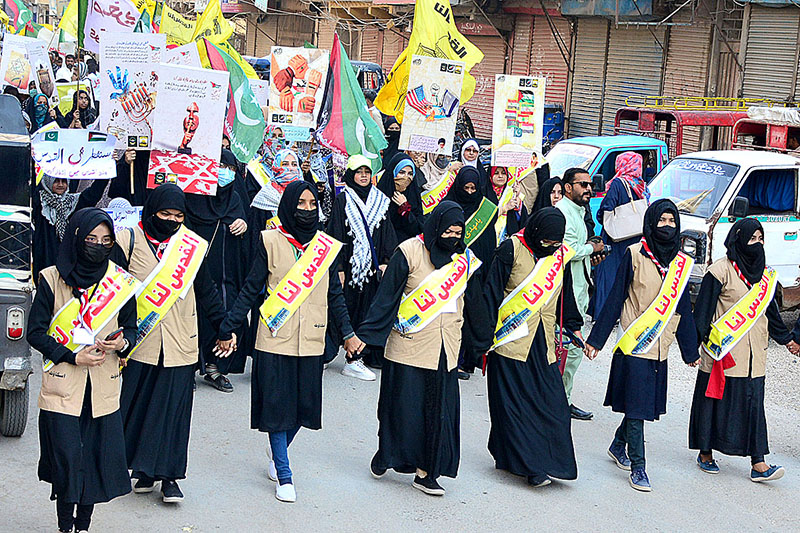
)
(432, 100)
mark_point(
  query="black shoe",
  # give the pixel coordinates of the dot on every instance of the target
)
(579, 414)
(221, 383)
(194, 384)
(428, 485)
(374, 469)
(171, 492)
(539, 481)
(463, 375)
(144, 485)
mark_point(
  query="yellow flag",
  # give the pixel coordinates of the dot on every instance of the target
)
(212, 25)
(228, 49)
(179, 30)
(434, 34)
(69, 20)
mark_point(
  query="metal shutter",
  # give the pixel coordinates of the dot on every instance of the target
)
(686, 73)
(634, 68)
(770, 60)
(480, 105)
(521, 51)
(393, 46)
(546, 58)
(371, 45)
(587, 78)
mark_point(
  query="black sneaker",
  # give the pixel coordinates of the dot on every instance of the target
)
(376, 471)
(221, 383)
(428, 485)
(579, 414)
(171, 492)
(144, 485)
(463, 375)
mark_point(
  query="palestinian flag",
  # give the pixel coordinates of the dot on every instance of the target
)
(345, 126)
(244, 120)
(19, 13)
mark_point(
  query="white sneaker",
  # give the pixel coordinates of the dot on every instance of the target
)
(272, 472)
(357, 369)
(285, 493)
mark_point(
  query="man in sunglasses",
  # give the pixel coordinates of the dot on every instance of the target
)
(577, 193)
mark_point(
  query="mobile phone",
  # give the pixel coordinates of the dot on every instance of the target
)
(114, 334)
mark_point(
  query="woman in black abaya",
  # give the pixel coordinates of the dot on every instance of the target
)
(399, 184)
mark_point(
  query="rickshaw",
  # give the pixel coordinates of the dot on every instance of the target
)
(16, 284)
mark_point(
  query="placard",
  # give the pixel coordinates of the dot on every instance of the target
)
(297, 84)
(431, 108)
(517, 121)
(187, 128)
(75, 154)
(128, 85)
(186, 55)
(25, 64)
(123, 214)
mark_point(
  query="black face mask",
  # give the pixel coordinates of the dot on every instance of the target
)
(450, 243)
(165, 226)
(665, 233)
(392, 136)
(95, 253)
(540, 250)
(306, 219)
(753, 252)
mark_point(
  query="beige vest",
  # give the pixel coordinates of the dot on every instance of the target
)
(644, 288)
(755, 342)
(176, 334)
(304, 333)
(546, 316)
(422, 349)
(64, 385)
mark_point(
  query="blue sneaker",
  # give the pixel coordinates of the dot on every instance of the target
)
(639, 480)
(774, 472)
(709, 467)
(620, 457)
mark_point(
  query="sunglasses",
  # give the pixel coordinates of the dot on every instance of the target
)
(584, 184)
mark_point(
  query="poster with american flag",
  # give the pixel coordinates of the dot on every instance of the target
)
(431, 108)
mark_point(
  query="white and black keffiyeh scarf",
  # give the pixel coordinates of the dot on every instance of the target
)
(374, 211)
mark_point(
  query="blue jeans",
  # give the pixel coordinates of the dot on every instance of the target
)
(631, 432)
(280, 441)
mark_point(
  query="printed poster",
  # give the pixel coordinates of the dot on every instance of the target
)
(518, 120)
(128, 85)
(66, 92)
(187, 128)
(431, 109)
(186, 55)
(297, 83)
(25, 65)
(123, 214)
(74, 154)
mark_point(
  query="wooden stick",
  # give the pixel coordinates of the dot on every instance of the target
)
(131, 165)
(310, 148)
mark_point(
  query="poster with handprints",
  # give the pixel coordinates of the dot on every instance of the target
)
(187, 128)
(432, 100)
(129, 84)
(297, 83)
(26, 66)
(517, 122)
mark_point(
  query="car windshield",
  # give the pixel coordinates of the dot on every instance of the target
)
(566, 155)
(695, 185)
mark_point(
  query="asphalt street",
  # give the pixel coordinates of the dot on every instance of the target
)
(227, 488)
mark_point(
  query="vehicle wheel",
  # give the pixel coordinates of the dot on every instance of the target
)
(15, 412)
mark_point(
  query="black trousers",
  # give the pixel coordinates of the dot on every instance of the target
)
(67, 518)
(631, 432)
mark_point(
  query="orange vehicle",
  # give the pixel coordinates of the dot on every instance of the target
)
(771, 129)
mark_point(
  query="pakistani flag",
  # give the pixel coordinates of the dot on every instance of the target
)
(345, 125)
(244, 121)
(19, 13)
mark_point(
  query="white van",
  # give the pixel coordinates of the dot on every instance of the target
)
(714, 189)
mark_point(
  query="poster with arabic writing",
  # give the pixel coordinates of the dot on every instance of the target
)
(129, 84)
(25, 65)
(517, 122)
(75, 154)
(187, 128)
(186, 55)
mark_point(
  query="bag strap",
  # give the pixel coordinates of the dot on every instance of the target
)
(130, 246)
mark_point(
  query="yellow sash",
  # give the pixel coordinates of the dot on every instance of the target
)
(111, 293)
(645, 331)
(531, 295)
(437, 290)
(273, 223)
(258, 172)
(297, 284)
(432, 198)
(171, 279)
(500, 227)
(732, 326)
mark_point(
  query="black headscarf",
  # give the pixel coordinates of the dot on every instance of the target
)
(361, 190)
(287, 210)
(749, 258)
(393, 138)
(167, 196)
(72, 264)
(664, 242)
(444, 215)
(468, 202)
(225, 207)
(87, 116)
(543, 198)
(546, 223)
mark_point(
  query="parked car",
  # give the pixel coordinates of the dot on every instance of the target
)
(370, 77)
(714, 189)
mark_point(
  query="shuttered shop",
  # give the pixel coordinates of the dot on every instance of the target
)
(479, 106)
(633, 69)
(521, 52)
(547, 59)
(371, 45)
(770, 64)
(393, 45)
(686, 73)
(587, 79)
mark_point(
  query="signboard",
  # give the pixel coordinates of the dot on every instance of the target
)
(518, 119)
(26, 65)
(75, 154)
(297, 83)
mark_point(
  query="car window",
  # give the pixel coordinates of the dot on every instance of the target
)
(770, 191)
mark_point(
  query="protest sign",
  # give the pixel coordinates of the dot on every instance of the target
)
(123, 214)
(187, 128)
(518, 118)
(74, 154)
(186, 55)
(116, 16)
(297, 84)
(25, 65)
(129, 84)
(431, 108)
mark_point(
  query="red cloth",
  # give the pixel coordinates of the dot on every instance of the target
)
(628, 167)
(716, 382)
(294, 242)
